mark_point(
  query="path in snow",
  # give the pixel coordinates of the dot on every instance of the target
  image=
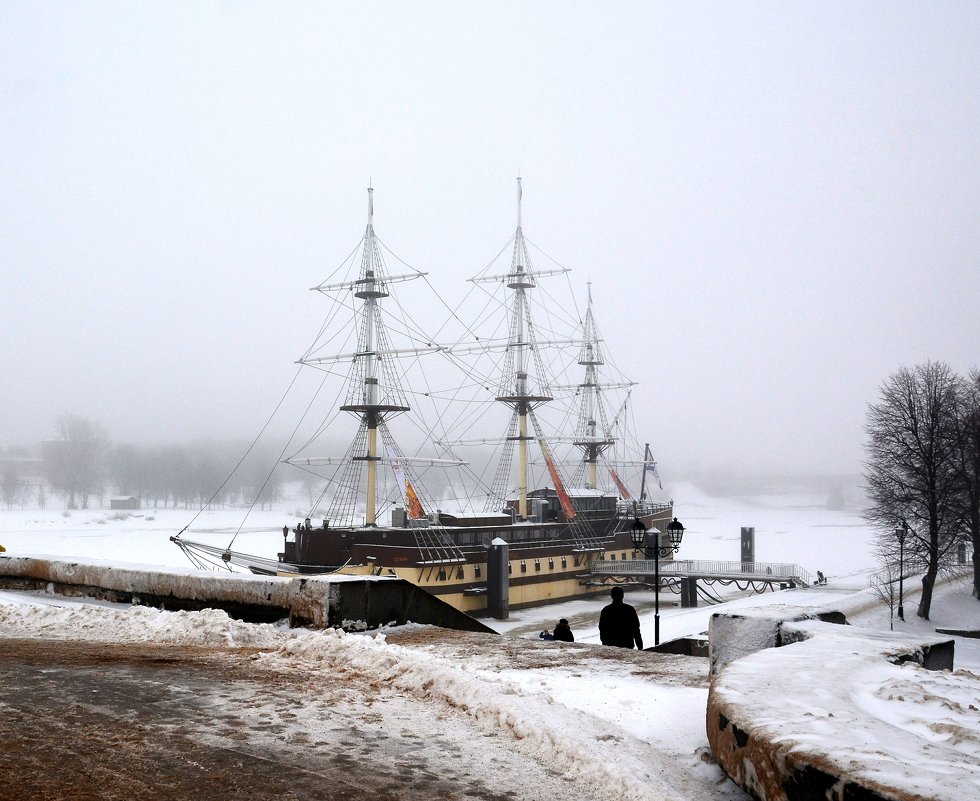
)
(412, 707)
(99, 721)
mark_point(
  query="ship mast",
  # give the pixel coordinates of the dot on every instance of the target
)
(516, 388)
(370, 288)
(587, 434)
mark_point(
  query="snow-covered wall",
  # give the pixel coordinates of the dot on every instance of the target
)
(839, 712)
(349, 602)
(734, 635)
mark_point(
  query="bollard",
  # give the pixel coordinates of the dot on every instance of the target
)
(498, 580)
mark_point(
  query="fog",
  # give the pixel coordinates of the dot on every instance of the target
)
(777, 204)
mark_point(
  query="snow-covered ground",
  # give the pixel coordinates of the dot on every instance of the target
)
(618, 728)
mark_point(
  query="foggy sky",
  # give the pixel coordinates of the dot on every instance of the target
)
(778, 204)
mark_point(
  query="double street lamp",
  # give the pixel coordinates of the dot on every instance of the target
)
(638, 535)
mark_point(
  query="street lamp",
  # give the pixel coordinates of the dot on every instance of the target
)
(638, 535)
(901, 532)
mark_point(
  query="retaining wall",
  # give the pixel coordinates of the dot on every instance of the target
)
(350, 602)
(835, 713)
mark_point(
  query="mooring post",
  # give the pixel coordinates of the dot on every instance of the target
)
(498, 579)
(689, 592)
(748, 548)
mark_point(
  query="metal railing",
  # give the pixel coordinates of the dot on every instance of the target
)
(742, 571)
(627, 510)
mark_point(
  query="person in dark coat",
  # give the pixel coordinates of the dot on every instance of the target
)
(563, 631)
(619, 624)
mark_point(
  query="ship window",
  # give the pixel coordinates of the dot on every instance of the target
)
(442, 574)
(564, 562)
(523, 566)
(510, 568)
(576, 561)
(551, 564)
(537, 565)
(612, 557)
(476, 571)
(623, 556)
(459, 572)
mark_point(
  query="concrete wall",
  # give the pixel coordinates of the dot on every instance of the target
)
(349, 602)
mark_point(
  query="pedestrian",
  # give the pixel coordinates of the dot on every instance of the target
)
(546, 635)
(563, 631)
(619, 624)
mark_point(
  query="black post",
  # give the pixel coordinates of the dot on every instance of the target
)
(498, 579)
(656, 591)
(689, 592)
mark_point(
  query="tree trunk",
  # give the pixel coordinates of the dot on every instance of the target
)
(976, 569)
(975, 538)
(925, 602)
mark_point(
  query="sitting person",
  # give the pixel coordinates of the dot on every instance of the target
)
(563, 632)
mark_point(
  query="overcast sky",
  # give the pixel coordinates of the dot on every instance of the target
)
(778, 204)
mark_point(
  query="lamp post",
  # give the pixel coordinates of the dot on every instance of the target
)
(638, 535)
(901, 532)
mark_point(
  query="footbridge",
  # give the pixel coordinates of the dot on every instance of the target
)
(684, 575)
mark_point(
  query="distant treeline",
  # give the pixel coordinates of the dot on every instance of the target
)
(81, 464)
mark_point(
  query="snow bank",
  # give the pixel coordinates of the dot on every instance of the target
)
(844, 707)
(581, 746)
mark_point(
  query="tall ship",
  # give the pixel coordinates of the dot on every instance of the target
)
(505, 434)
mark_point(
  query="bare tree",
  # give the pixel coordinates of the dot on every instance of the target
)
(968, 465)
(11, 485)
(76, 459)
(911, 467)
(884, 583)
(129, 471)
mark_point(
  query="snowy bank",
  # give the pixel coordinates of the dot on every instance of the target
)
(845, 710)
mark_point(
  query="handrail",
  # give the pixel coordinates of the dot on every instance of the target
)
(759, 571)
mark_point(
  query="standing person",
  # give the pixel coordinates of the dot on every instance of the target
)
(619, 624)
(563, 631)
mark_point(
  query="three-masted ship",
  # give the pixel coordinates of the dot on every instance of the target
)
(376, 514)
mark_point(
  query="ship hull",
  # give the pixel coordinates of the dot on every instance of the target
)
(547, 562)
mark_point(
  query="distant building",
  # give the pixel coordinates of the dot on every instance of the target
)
(125, 504)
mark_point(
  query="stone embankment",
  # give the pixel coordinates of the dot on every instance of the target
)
(800, 709)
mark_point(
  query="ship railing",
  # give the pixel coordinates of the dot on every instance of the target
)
(628, 510)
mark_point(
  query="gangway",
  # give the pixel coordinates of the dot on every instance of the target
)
(760, 576)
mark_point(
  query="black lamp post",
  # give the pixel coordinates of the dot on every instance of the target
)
(638, 535)
(901, 532)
